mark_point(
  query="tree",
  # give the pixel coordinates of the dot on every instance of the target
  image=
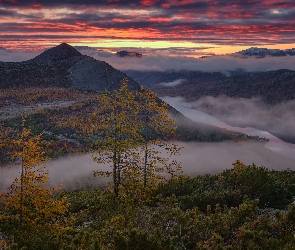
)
(115, 123)
(257, 183)
(29, 209)
(131, 127)
(156, 126)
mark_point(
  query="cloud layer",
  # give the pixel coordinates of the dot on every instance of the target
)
(162, 62)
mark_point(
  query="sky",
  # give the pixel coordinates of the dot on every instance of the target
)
(193, 28)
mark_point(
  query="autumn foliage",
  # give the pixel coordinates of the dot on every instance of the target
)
(28, 209)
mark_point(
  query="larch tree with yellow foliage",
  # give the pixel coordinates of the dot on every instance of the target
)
(115, 124)
(156, 126)
(131, 129)
(29, 209)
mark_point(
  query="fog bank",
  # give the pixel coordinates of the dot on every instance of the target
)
(275, 144)
(242, 112)
(196, 158)
(162, 62)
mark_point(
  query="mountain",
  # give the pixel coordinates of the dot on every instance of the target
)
(263, 52)
(124, 53)
(58, 53)
(64, 67)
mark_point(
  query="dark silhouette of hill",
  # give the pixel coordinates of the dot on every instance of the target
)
(64, 67)
(60, 52)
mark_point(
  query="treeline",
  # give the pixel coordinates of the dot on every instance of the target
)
(25, 96)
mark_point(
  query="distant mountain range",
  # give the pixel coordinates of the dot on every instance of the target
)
(276, 89)
(253, 51)
(263, 52)
(250, 52)
(272, 87)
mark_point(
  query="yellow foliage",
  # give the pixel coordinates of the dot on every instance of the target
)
(29, 205)
(128, 124)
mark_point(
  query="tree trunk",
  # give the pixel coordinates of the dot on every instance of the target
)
(145, 166)
(115, 177)
(21, 196)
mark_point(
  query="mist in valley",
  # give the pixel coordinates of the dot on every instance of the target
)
(241, 112)
(196, 158)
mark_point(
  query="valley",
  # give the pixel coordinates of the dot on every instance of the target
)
(264, 100)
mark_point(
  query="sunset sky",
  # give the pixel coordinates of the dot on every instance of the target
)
(185, 26)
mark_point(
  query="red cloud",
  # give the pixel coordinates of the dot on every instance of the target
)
(210, 21)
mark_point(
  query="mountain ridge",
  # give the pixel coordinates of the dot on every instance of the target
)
(273, 87)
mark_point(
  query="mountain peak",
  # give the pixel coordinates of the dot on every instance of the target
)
(60, 52)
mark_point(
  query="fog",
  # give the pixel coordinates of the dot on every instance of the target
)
(243, 112)
(163, 62)
(173, 83)
(73, 171)
(275, 144)
(209, 64)
(18, 55)
(196, 158)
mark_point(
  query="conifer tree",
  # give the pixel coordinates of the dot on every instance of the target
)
(115, 124)
(29, 209)
(132, 129)
(156, 127)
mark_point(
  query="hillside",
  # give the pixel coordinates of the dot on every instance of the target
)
(62, 66)
(60, 84)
